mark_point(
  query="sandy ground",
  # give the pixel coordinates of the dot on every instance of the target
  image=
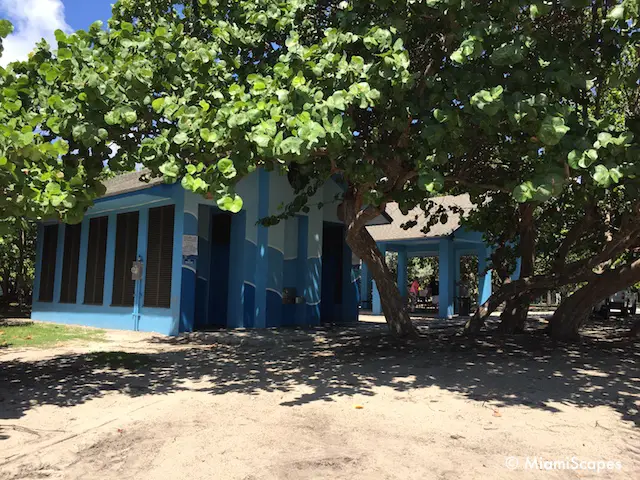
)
(282, 405)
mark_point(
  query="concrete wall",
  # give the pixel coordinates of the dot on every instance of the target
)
(263, 261)
(162, 320)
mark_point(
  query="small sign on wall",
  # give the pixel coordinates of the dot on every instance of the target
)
(189, 245)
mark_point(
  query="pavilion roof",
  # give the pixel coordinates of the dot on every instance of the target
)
(394, 230)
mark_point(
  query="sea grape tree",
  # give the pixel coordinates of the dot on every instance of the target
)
(399, 99)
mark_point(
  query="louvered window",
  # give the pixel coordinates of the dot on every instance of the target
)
(126, 252)
(157, 289)
(69, 286)
(96, 258)
(48, 266)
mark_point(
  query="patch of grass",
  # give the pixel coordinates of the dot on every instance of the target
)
(116, 360)
(24, 333)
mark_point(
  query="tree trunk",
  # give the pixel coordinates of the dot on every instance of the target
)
(635, 329)
(364, 246)
(575, 309)
(393, 305)
(515, 314)
(476, 322)
(573, 312)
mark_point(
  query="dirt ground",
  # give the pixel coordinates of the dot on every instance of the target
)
(286, 405)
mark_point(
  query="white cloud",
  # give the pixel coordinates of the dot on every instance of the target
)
(32, 21)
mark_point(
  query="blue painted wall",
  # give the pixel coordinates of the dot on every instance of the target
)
(262, 262)
(141, 318)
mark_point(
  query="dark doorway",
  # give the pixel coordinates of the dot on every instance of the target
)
(212, 285)
(219, 279)
(332, 273)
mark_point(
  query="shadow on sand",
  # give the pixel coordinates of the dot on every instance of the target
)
(521, 370)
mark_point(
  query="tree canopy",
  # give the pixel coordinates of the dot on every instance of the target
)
(509, 100)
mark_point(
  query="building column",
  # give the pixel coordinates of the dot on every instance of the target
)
(107, 295)
(446, 278)
(82, 261)
(302, 270)
(402, 271)
(365, 281)
(313, 286)
(143, 234)
(189, 265)
(57, 285)
(456, 285)
(484, 278)
(376, 304)
(176, 266)
(262, 252)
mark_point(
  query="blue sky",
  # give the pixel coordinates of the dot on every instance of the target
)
(36, 19)
(82, 13)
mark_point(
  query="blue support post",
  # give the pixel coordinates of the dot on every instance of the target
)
(365, 282)
(189, 263)
(313, 289)
(143, 232)
(176, 266)
(350, 292)
(446, 278)
(456, 285)
(262, 252)
(82, 261)
(484, 275)
(59, 261)
(402, 271)
(376, 304)
(302, 270)
(110, 261)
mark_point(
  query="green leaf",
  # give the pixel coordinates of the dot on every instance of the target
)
(524, 192)
(170, 169)
(615, 174)
(129, 116)
(64, 54)
(601, 176)
(605, 139)
(573, 158)
(552, 130)
(158, 104)
(181, 138)
(226, 167)
(204, 105)
(207, 135)
(588, 158)
(291, 145)
(617, 13)
(230, 204)
(337, 101)
(112, 118)
(261, 139)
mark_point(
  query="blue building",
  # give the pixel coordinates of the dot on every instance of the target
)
(448, 241)
(195, 266)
